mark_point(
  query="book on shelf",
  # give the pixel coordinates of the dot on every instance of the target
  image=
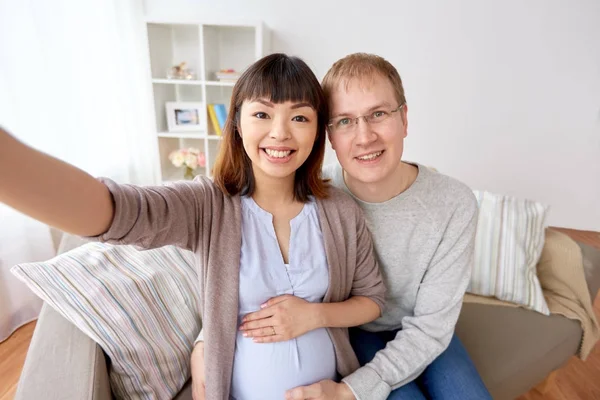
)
(213, 119)
(218, 116)
(227, 75)
(221, 115)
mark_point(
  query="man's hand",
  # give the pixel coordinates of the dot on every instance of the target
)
(198, 392)
(281, 318)
(324, 390)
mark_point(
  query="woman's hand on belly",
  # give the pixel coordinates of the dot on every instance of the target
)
(281, 318)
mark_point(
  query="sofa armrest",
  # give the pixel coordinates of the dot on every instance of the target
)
(62, 363)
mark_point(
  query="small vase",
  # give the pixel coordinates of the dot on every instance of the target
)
(189, 173)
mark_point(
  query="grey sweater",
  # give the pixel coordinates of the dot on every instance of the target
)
(424, 241)
(197, 216)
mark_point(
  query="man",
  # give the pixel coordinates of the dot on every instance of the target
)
(423, 225)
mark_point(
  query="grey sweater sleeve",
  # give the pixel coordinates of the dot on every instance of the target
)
(426, 334)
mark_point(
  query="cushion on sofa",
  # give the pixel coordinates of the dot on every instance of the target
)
(508, 245)
(141, 307)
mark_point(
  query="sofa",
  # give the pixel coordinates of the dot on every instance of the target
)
(514, 349)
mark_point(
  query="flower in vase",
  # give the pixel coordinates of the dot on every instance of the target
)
(190, 158)
(177, 158)
(201, 160)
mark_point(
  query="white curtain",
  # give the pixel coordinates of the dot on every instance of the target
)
(73, 83)
(26, 241)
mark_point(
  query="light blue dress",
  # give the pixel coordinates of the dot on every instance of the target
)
(266, 370)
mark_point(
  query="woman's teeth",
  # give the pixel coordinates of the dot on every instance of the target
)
(369, 157)
(278, 153)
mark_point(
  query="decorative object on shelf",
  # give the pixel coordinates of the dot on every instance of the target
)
(218, 115)
(189, 158)
(227, 75)
(181, 71)
(185, 116)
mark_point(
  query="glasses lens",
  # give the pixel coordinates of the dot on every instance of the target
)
(343, 124)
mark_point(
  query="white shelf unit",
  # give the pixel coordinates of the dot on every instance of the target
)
(206, 48)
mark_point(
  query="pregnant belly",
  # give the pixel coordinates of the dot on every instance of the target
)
(266, 371)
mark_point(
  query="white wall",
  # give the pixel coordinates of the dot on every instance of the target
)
(503, 95)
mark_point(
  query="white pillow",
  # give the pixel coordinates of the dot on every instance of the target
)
(508, 246)
(140, 306)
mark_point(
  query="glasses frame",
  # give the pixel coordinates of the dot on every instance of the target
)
(354, 121)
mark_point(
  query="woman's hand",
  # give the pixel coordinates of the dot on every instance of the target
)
(281, 318)
(197, 362)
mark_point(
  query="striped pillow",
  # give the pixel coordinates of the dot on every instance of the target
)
(508, 246)
(140, 306)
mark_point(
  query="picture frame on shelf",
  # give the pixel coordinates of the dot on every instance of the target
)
(184, 116)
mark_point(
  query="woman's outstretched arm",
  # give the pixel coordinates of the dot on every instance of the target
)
(51, 190)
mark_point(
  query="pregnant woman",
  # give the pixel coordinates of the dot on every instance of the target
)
(267, 226)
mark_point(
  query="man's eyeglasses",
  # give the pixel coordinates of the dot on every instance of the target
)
(346, 124)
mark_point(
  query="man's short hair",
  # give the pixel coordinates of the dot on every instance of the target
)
(362, 66)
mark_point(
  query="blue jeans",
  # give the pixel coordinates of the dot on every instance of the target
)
(450, 376)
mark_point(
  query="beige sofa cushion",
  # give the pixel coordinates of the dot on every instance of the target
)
(514, 348)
